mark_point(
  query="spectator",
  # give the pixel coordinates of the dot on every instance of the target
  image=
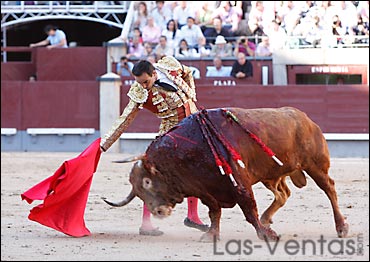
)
(288, 15)
(135, 49)
(229, 15)
(243, 45)
(151, 32)
(325, 11)
(136, 32)
(56, 38)
(347, 13)
(337, 30)
(203, 17)
(193, 34)
(148, 50)
(306, 7)
(314, 32)
(161, 14)
(183, 50)
(221, 47)
(242, 68)
(172, 33)
(152, 59)
(242, 26)
(140, 18)
(362, 29)
(212, 32)
(255, 20)
(277, 36)
(203, 51)
(263, 48)
(163, 49)
(32, 78)
(171, 5)
(363, 12)
(181, 13)
(218, 69)
(124, 67)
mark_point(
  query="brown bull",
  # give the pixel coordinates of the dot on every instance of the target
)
(180, 164)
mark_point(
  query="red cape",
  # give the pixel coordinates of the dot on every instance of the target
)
(65, 194)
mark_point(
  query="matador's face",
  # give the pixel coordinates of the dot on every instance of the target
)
(146, 80)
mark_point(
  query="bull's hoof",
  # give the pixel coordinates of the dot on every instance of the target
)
(210, 237)
(266, 222)
(268, 234)
(201, 227)
(342, 230)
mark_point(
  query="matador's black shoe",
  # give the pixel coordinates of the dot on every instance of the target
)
(201, 227)
(152, 232)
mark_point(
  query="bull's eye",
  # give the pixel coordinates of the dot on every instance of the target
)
(147, 183)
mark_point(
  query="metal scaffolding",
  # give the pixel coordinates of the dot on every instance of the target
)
(17, 12)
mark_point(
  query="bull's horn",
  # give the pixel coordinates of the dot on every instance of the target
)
(123, 202)
(130, 159)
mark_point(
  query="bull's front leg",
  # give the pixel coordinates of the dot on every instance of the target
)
(248, 205)
(215, 216)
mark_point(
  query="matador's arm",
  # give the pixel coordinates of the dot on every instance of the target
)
(189, 79)
(120, 125)
(138, 95)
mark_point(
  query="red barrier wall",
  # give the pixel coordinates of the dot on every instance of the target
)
(336, 109)
(66, 94)
(50, 104)
(11, 104)
(67, 64)
(17, 71)
(59, 64)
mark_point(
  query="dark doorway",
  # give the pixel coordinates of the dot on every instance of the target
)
(84, 33)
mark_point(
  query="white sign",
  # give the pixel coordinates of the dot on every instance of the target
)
(329, 69)
(226, 82)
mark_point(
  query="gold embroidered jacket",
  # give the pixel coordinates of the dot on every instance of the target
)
(171, 107)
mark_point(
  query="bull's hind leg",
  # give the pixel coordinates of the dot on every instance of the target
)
(248, 205)
(281, 193)
(327, 184)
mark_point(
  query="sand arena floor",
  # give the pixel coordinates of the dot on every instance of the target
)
(305, 223)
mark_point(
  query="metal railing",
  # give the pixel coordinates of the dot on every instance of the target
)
(64, 6)
(98, 11)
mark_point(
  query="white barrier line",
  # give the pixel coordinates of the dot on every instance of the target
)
(60, 131)
(8, 131)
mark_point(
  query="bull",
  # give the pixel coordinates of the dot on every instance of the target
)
(180, 164)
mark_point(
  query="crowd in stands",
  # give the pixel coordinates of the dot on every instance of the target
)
(226, 29)
(255, 28)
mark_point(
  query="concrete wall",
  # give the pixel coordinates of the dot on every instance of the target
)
(24, 141)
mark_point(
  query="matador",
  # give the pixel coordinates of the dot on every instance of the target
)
(167, 89)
